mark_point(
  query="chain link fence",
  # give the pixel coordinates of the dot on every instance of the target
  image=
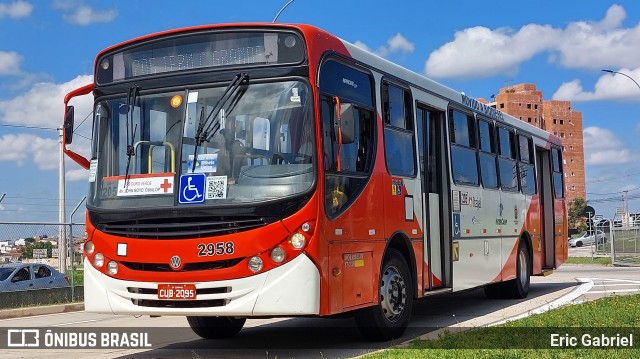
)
(625, 246)
(59, 245)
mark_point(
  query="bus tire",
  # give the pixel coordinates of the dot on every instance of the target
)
(519, 288)
(216, 327)
(390, 317)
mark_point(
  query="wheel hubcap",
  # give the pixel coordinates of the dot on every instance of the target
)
(522, 258)
(393, 293)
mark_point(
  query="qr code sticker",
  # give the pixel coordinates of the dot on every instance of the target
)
(216, 187)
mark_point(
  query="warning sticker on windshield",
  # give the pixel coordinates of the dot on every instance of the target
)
(137, 185)
(207, 162)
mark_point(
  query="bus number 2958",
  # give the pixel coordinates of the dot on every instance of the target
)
(215, 249)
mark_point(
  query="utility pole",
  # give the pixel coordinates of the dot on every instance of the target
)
(62, 215)
(625, 220)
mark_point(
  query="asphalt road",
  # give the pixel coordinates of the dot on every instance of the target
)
(329, 338)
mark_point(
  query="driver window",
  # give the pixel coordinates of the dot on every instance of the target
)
(42, 272)
(22, 274)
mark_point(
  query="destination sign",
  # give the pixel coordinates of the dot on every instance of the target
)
(200, 50)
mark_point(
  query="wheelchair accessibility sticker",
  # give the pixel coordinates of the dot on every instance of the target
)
(192, 187)
(456, 225)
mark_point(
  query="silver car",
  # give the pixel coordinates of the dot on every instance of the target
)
(586, 239)
(25, 276)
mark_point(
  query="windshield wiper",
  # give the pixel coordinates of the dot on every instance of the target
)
(207, 127)
(132, 96)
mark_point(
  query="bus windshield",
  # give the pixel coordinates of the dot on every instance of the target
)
(260, 147)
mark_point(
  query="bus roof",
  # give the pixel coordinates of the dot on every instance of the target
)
(363, 56)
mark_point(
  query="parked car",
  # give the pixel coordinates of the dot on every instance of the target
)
(588, 239)
(25, 276)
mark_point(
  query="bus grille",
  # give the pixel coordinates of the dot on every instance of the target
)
(177, 228)
(180, 303)
(188, 267)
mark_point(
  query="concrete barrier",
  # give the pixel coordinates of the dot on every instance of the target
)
(39, 297)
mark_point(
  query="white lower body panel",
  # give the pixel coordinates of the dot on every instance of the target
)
(291, 289)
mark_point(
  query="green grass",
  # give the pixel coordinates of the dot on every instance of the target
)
(78, 277)
(610, 315)
(589, 260)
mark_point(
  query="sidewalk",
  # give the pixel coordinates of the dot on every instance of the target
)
(43, 310)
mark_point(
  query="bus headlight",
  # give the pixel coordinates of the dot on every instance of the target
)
(98, 260)
(255, 264)
(277, 255)
(112, 267)
(297, 241)
(89, 247)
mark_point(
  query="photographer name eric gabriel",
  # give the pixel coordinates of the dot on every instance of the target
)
(592, 341)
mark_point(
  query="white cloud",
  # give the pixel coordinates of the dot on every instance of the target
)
(10, 63)
(602, 147)
(79, 174)
(608, 86)
(78, 13)
(395, 44)
(43, 104)
(483, 52)
(21, 148)
(16, 9)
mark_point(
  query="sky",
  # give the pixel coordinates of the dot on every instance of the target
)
(47, 48)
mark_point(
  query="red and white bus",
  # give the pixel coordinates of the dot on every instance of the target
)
(252, 170)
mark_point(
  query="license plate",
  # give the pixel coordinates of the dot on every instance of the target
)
(176, 291)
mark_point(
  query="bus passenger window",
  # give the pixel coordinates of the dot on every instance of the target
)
(398, 131)
(507, 164)
(557, 173)
(527, 173)
(463, 152)
(487, 156)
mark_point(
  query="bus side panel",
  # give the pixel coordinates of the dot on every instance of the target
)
(356, 245)
(515, 208)
(477, 232)
(510, 242)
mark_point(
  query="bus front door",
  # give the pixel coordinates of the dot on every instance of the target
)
(545, 190)
(437, 252)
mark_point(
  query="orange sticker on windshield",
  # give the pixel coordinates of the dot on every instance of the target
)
(176, 101)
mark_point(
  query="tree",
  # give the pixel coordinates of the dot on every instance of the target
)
(27, 252)
(576, 210)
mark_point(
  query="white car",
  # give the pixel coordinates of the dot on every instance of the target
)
(585, 239)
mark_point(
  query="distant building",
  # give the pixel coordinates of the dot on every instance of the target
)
(525, 102)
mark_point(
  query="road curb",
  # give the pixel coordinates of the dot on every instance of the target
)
(49, 309)
(584, 286)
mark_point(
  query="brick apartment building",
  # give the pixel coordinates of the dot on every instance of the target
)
(525, 102)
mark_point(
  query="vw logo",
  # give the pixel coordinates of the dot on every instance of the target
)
(175, 262)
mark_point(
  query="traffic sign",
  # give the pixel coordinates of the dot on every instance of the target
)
(39, 253)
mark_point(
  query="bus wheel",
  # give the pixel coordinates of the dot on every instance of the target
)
(519, 288)
(389, 319)
(216, 327)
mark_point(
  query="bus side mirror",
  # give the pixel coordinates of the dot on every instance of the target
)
(347, 123)
(68, 125)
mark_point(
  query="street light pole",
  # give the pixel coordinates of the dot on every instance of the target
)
(62, 233)
(623, 74)
(625, 198)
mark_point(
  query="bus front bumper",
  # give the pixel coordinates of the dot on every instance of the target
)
(290, 289)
